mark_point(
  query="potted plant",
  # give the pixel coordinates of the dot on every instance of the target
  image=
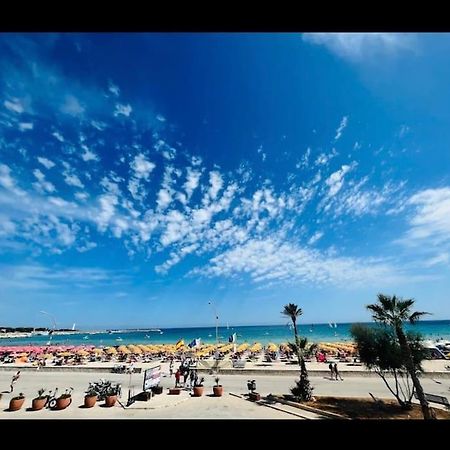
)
(111, 395)
(16, 402)
(198, 387)
(40, 401)
(64, 400)
(90, 398)
(218, 388)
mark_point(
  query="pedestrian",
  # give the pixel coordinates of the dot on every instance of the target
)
(191, 378)
(330, 366)
(14, 379)
(171, 368)
(185, 376)
(177, 378)
(336, 372)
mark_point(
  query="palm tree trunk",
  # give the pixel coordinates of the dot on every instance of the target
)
(300, 359)
(427, 412)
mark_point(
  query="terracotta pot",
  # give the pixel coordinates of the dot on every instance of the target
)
(16, 403)
(218, 391)
(174, 391)
(110, 400)
(63, 402)
(255, 396)
(89, 401)
(198, 391)
(38, 403)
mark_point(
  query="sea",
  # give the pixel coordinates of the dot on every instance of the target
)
(326, 332)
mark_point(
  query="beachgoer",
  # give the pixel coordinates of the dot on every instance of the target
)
(185, 375)
(171, 368)
(177, 378)
(330, 366)
(191, 378)
(336, 372)
(14, 379)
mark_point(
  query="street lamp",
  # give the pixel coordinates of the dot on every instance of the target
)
(54, 324)
(217, 320)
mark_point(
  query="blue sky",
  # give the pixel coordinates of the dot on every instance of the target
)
(142, 175)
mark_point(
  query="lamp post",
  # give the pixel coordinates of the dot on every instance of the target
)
(54, 324)
(217, 320)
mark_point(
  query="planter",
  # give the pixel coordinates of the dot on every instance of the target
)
(16, 403)
(198, 391)
(63, 402)
(157, 390)
(174, 391)
(110, 400)
(255, 397)
(90, 401)
(38, 403)
(218, 391)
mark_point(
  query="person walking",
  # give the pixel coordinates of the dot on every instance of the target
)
(171, 368)
(336, 372)
(14, 379)
(330, 366)
(177, 378)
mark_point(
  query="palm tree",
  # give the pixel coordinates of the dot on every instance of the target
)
(293, 312)
(393, 311)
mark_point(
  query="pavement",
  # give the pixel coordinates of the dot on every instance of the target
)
(184, 406)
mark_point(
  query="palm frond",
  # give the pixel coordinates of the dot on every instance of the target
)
(415, 316)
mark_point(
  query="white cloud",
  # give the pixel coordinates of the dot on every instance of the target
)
(89, 155)
(14, 105)
(430, 221)
(26, 126)
(142, 167)
(81, 196)
(58, 136)
(362, 46)
(100, 126)
(273, 260)
(114, 89)
(341, 127)
(315, 237)
(216, 182)
(192, 181)
(72, 106)
(72, 180)
(164, 198)
(86, 247)
(336, 180)
(124, 110)
(42, 185)
(6, 180)
(441, 258)
(34, 277)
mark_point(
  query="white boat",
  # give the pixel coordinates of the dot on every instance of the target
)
(119, 339)
(86, 337)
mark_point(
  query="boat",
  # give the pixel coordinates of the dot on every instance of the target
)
(119, 339)
(86, 337)
(155, 329)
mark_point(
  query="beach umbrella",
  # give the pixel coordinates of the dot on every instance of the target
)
(111, 351)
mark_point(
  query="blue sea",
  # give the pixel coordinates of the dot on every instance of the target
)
(432, 329)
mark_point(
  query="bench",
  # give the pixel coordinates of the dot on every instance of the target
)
(435, 399)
